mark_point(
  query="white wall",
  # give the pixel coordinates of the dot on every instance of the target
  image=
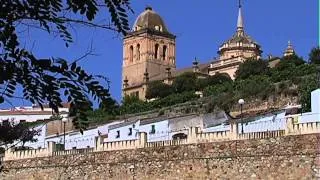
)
(124, 132)
(315, 101)
(81, 141)
(162, 131)
(28, 114)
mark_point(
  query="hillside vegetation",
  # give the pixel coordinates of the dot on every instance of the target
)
(255, 80)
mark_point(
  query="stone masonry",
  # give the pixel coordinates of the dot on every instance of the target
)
(288, 157)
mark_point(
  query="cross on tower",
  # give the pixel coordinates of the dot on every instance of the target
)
(239, 3)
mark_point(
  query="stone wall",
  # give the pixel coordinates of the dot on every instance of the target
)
(288, 157)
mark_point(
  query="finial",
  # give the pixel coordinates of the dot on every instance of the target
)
(148, 8)
(195, 61)
(240, 20)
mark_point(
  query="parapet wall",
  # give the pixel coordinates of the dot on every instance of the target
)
(194, 136)
(287, 157)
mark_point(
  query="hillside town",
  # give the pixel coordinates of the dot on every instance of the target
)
(237, 115)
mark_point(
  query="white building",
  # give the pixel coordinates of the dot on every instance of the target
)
(30, 113)
(127, 130)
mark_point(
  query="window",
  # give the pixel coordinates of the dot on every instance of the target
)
(118, 134)
(164, 52)
(156, 51)
(131, 54)
(153, 129)
(130, 132)
(138, 52)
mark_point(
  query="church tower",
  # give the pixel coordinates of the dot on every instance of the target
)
(235, 50)
(148, 50)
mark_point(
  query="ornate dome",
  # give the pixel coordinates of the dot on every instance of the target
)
(149, 19)
(240, 40)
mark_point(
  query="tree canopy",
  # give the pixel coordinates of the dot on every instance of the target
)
(252, 67)
(47, 80)
(158, 89)
(314, 55)
(11, 132)
(185, 82)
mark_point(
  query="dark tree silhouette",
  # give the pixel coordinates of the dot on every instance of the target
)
(314, 55)
(48, 80)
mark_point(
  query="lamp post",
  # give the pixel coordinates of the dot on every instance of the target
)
(241, 102)
(64, 120)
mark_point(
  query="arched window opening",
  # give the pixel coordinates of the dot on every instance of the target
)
(131, 54)
(138, 52)
(164, 52)
(156, 51)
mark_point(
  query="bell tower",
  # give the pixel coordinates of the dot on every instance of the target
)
(150, 48)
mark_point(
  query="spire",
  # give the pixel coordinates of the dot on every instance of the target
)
(240, 20)
(289, 51)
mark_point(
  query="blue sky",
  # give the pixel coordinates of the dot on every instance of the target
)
(200, 27)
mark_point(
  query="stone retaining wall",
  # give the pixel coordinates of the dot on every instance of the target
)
(287, 157)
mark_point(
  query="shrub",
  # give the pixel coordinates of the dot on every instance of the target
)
(252, 67)
(158, 89)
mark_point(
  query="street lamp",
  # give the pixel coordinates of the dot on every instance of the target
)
(64, 120)
(241, 102)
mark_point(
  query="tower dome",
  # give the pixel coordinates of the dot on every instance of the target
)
(240, 40)
(150, 20)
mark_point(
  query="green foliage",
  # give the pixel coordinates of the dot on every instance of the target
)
(252, 67)
(22, 132)
(314, 55)
(290, 71)
(218, 89)
(110, 106)
(158, 89)
(255, 86)
(132, 104)
(174, 99)
(185, 82)
(218, 78)
(46, 80)
(308, 84)
(288, 61)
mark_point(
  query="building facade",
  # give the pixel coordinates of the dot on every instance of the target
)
(235, 51)
(148, 51)
(149, 54)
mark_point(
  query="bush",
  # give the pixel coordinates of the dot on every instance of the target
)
(252, 67)
(158, 89)
(305, 88)
(255, 86)
(218, 78)
(185, 82)
(217, 89)
(314, 55)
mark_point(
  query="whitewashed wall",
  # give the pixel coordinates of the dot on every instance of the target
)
(162, 131)
(124, 132)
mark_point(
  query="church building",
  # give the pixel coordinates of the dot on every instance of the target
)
(149, 54)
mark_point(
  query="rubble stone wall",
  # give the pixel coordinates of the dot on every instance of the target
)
(288, 157)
